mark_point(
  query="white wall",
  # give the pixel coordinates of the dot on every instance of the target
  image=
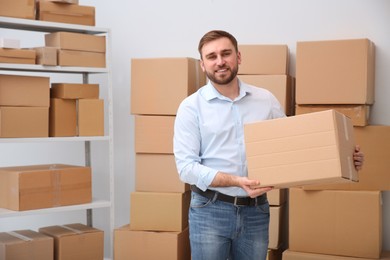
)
(172, 28)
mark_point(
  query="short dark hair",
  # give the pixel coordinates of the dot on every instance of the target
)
(215, 35)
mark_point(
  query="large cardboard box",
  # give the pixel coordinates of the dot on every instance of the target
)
(282, 86)
(18, 8)
(158, 173)
(76, 41)
(292, 255)
(44, 186)
(17, 56)
(26, 245)
(74, 91)
(66, 13)
(374, 141)
(150, 245)
(62, 117)
(268, 59)
(154, 134)
(24, 122)
(333, 222)
(159, 211)
(90, 117)
(335, 72)
(359, 114)
(304, 149)
(81, 58)
(158, 85)
(76, 241)
(46, 56)
(16, 90)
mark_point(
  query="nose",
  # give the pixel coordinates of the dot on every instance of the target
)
(220, 60)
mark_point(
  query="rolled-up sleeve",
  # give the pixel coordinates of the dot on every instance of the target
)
(187, 147)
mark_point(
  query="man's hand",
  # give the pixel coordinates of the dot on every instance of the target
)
(358, 158)
(251, 187)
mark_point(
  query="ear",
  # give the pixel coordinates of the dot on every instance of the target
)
(202, 65)
(239, 57)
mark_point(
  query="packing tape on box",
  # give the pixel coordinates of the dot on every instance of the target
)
(55, 178)
(73, 229)
(17, 235)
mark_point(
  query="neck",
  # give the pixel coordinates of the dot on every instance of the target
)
(230, 90)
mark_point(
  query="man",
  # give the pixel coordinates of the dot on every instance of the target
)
(228, 219)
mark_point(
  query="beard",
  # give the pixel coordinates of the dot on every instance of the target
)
(223, 79)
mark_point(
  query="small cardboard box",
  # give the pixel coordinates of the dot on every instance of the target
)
(74, 91)
(24, 122)
(46, 56)
(172, 208)
(44, 186)
(150, 245)
(300, 150)
(62, 117)
(90, 117)
(158, 173)
(282, 86)
(359, 114)
(9, 43)
(154, 134)
(374, 141)
(277, 197)
(264, 59)
(335, 72)
(17, 56)
(292, 255)
(76, 41)
(18, 90)
(333, 222)
(277, 227)
(76, 241)
(81, 59)
(18, 8)
(66, 13)
(26, 245)
(159, 85)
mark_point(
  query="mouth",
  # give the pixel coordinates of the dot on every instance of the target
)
(222, 70)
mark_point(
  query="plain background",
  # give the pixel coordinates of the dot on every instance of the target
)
(172, 28)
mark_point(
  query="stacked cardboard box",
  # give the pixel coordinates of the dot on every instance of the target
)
(18, 8)
(65, 11)
(26, 245)
(24, 106)
(10, 52)
(78, 49)
(75, 241)
(44, 186)
(76, 110)
(327, 221)
(159, 205)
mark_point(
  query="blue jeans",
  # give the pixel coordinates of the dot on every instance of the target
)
(221, 231)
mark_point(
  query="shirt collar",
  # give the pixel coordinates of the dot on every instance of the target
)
(209, 92)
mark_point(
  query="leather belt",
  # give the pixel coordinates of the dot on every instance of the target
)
(237, 201)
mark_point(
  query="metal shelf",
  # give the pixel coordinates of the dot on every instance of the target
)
(5, 213)
(43, 26)
(54, 139)
(57, 69)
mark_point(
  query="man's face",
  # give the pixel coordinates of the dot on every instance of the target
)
(220, 61)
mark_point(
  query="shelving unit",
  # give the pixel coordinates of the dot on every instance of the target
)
(97, 203)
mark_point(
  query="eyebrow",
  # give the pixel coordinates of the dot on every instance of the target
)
(223, 51)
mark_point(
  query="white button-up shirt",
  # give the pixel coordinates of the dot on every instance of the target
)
(209, 133)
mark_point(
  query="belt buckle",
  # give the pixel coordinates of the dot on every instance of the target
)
(235, 201)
